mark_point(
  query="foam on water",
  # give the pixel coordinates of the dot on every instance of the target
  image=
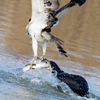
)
(39, 84)
(45, 79)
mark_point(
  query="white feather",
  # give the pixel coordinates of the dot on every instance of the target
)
(38, 12)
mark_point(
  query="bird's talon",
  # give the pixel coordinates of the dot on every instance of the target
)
(42, 58)
(33, 61)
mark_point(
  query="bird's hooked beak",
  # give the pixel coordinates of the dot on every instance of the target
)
(49, 68)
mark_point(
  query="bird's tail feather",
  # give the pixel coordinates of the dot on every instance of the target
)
(58, 42)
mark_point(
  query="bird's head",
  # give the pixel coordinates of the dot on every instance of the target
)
(54, 67)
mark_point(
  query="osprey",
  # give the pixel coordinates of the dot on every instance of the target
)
(45, 16)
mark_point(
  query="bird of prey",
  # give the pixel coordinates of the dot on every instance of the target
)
(45, 14)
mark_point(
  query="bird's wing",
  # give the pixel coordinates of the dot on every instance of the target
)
(72, 3)
(43, 11)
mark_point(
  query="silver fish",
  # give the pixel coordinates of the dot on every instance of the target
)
(38, 64)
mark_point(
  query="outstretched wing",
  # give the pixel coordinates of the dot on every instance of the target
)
(72, 3)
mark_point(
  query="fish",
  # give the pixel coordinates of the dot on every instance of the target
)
(38, 65)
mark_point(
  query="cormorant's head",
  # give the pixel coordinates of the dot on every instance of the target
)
(54, 67)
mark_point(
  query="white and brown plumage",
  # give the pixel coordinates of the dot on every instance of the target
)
(44, 16)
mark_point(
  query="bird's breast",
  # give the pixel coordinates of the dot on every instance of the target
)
(39, 38)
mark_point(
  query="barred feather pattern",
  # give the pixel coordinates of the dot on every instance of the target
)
(59, 43)
(50, 7)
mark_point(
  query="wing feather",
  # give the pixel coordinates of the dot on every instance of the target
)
(72, 3)
(62, 10)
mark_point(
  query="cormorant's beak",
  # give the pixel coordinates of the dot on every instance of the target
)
(49, 67)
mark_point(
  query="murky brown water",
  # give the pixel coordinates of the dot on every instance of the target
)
(79, 28)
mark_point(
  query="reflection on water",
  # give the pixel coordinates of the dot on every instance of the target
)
(79, 28)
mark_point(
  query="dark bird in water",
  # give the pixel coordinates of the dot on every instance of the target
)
(76, 82)
(45, 14)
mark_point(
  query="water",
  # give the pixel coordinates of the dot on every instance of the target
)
(79, 28)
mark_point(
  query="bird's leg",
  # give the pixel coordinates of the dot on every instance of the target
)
(44, 50)
(35, 49)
